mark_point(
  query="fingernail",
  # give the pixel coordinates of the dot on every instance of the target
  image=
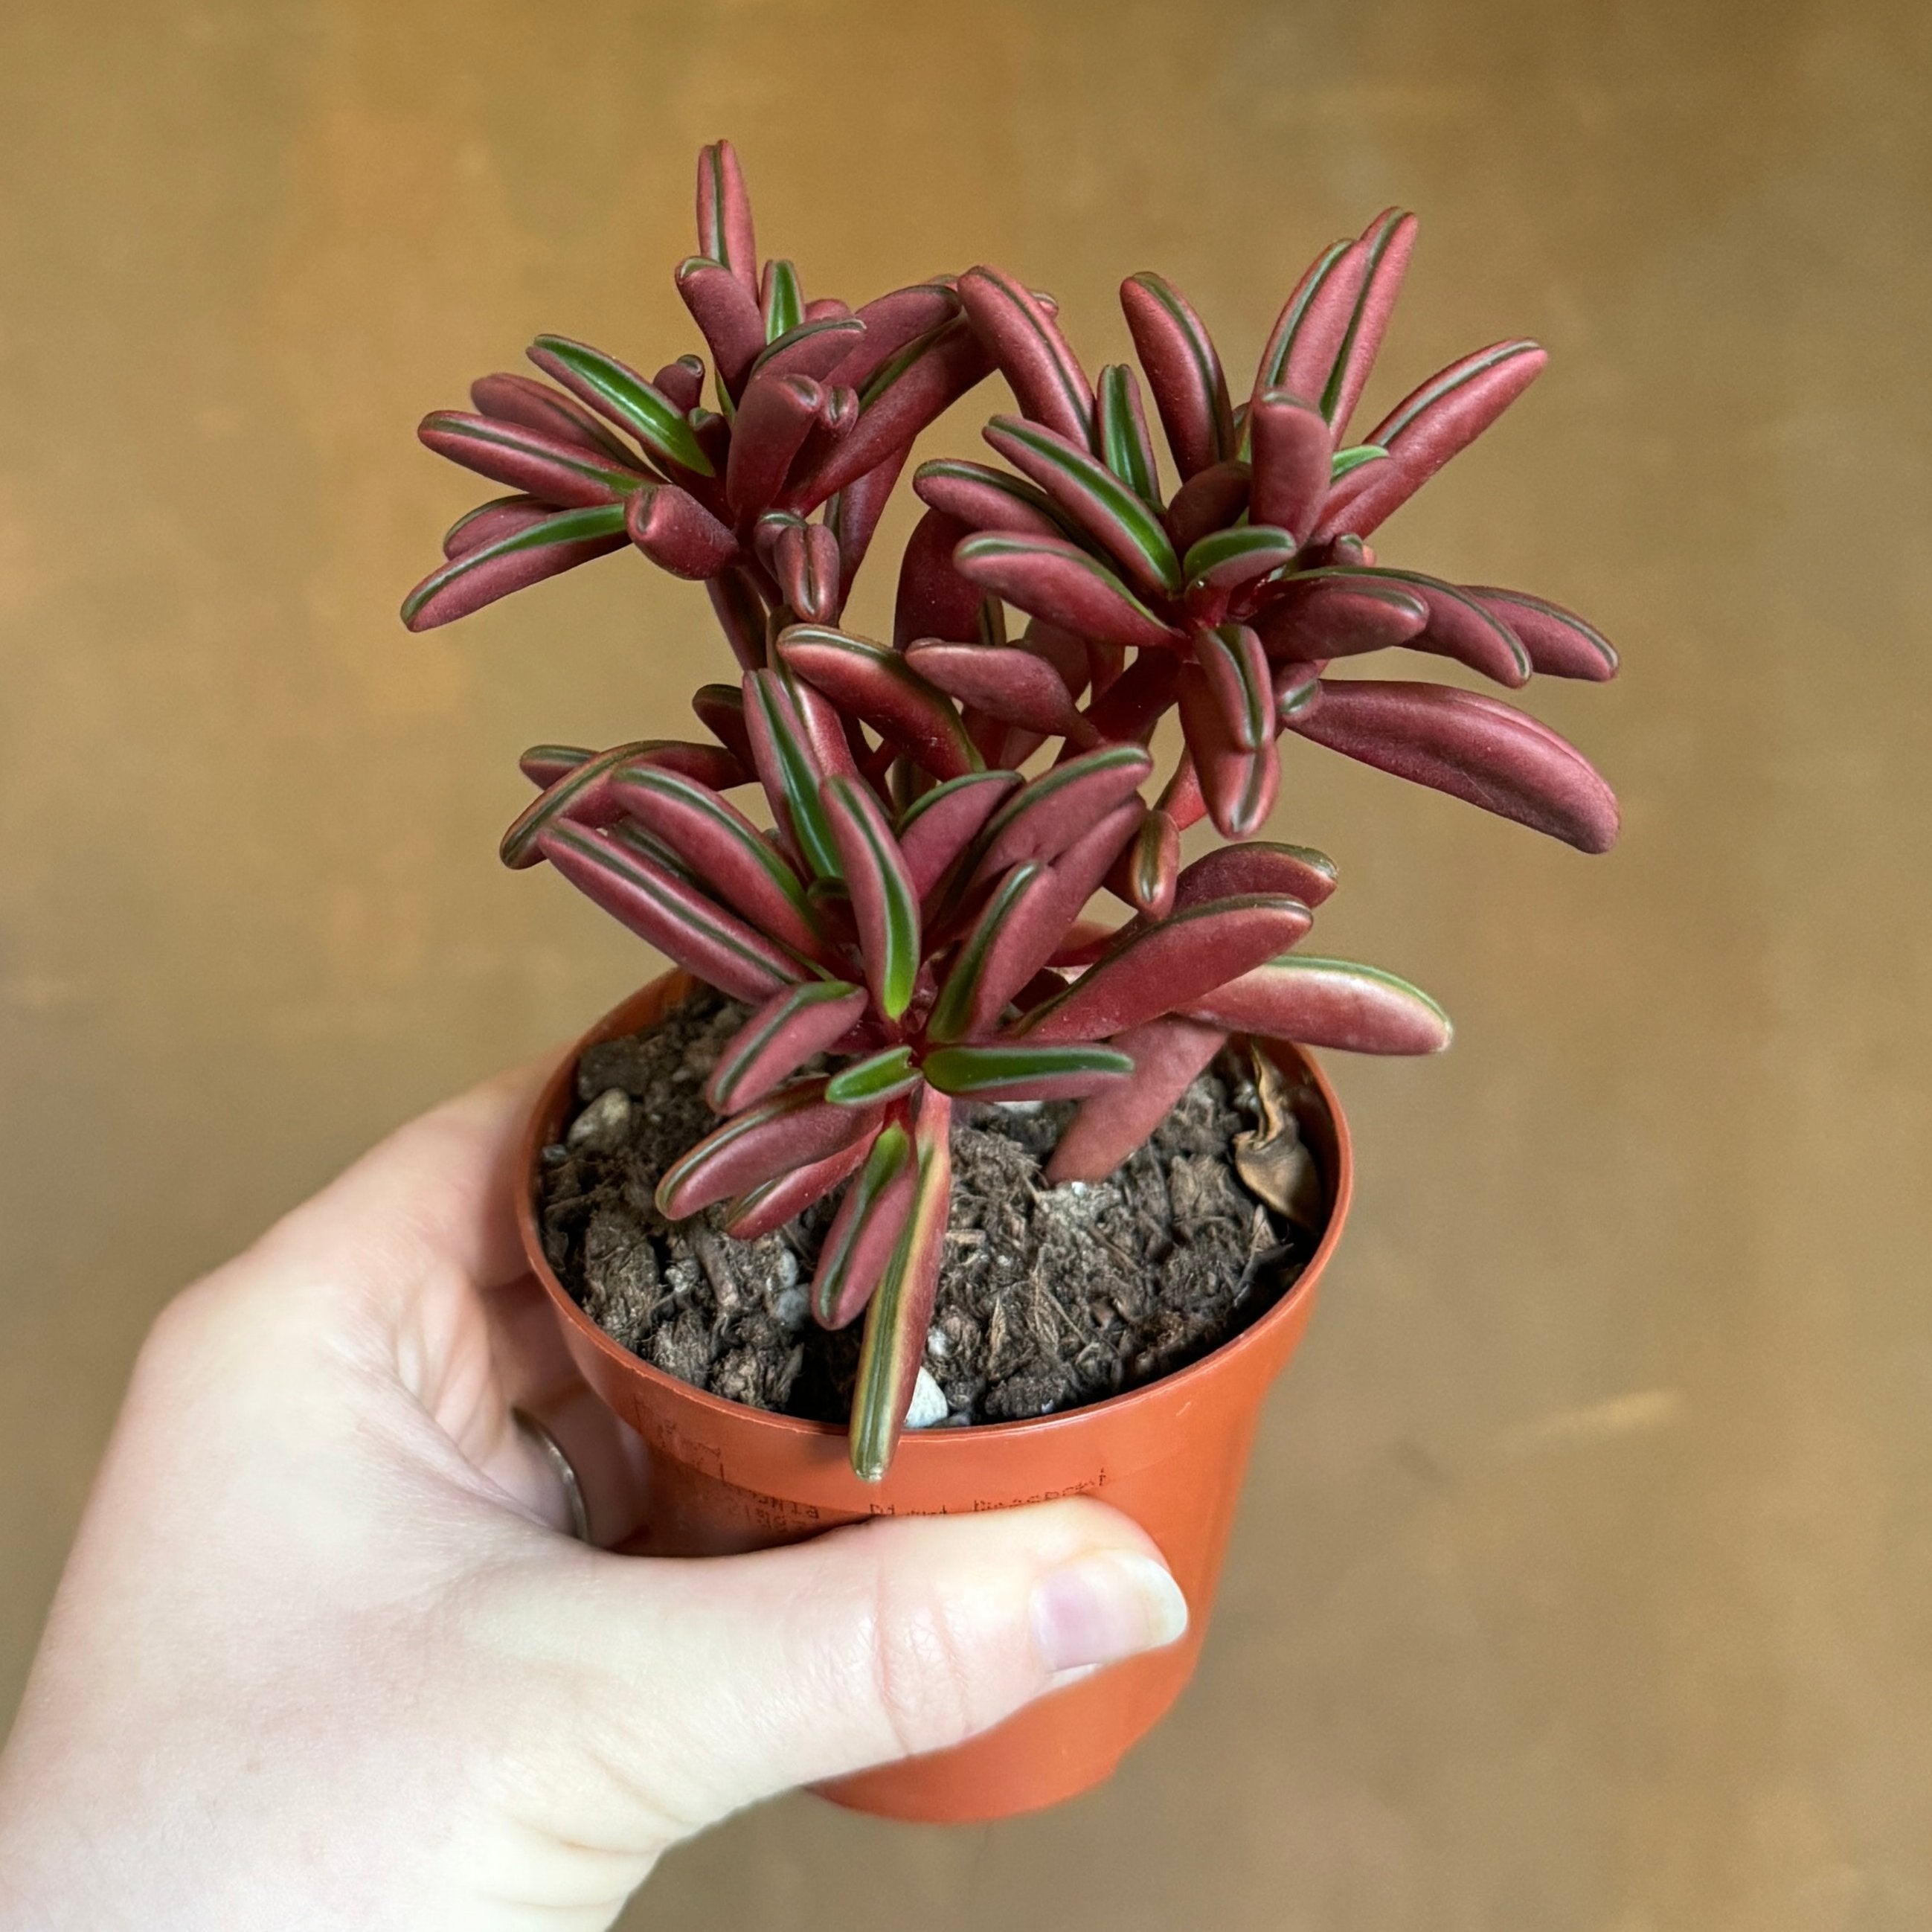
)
(1102, 1607)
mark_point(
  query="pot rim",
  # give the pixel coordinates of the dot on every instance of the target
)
(917, 1442)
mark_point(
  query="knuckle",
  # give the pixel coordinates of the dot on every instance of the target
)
(924, 1673)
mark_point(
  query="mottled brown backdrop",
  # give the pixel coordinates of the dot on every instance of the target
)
(1584, 1582)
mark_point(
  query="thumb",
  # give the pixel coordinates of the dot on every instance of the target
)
(738, 1677)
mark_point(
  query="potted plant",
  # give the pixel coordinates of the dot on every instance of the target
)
(919, 1187)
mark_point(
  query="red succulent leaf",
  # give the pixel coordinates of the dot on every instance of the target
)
(859, 1244)
(813, 349)
(772, 422)
(577, 784)
(1051, 812)
(1313, 324)
(901, 1308)
(1147, 872)
(720, 709)
(852, 515)
(682, 382)
(1320, 614)
(1298, 872)
(978, 497)
(1088, 493)
(1026, 1073)
(1125, 445)
(1167, 1055)
(1560, 644)
(620, 395)
(1293, 449)
(910, 391)
(791, 767)
(885, 905)
(670, 913)
(1390, 240)
(523, 399)
(724, 848)
(1049, 578)
(727, 314)
(881, 686)
(1227, 560)
(1471, 747)
(1169, 966)
(1333, 1002)
(792, 1128)
(1190, 390)
(791, 1026)
(887, 1075)
(1425, 430)
(805, 560)
(934, 600)
(780, 300)
(893, 323)
(1238, 785)
(677, 532)
(1457, 625)
(1008, 682)
(565, 474)
(772, 1203)
(513, 562)
(501, 517)
(543, 765)
(740, 612)
(1137, 700)
(1211, 500)
(724, 229)
(942, 823)
(1024, 340)
(1235, 669)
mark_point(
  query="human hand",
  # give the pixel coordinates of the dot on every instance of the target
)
(323, 1657)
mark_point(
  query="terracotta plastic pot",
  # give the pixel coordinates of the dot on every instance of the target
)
(723, 1478)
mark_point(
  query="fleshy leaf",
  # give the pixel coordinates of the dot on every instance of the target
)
(779, 1038)
(1458, 626)
(1169, 966)
(1331, 1003)
(678, 533)
(774, 1202)
(884, 904)
(1318, 614)
(881, 686)
(1236, 669)
(1390, 240)
(514, 562)
(740, 612)
(1049, 578)
(882, 1076)
(1425, 429)
(794, 1127)
(1471, 747)
(814, 349)
(1560, 644)
(789, 768)
(1008, 683)
(1089, 493)
(940, 824)
(724, 849)
(901, 1307)
(1190, 390)
(1211, 500)
(780, 299)
(1044, 375)
(523, 399)
(1293, 452)
(981, 498)
(1125, 445)
(578, 784)
(1309, 333)
(1026, 1073)
(692, 928)
(619, 393)
(1050, 812)
(1228, 559)
(727, 312)
(1167, 1055)
(561, 473)
(1237, 785)
(488, 523)
(776, 415)
(1149, 869)
(725, 230)
(1298, 872)
(859, 1244)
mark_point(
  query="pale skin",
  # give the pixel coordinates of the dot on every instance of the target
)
(324, 1657)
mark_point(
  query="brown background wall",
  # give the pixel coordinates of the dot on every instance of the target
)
(1585, 1582)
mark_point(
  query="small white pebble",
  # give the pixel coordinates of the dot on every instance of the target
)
(790, 1307)
(602, 1125)
(785, 1267)
(928, 1403)
(938, 1345)
(1019, 1106)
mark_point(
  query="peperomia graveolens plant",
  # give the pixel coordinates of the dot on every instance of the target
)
(912, 927)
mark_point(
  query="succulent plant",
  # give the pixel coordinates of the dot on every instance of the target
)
(928, 953)
(1236, 592)
(817, 407)
(911, 931)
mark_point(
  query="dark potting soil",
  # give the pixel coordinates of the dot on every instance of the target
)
(1048, 1298)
